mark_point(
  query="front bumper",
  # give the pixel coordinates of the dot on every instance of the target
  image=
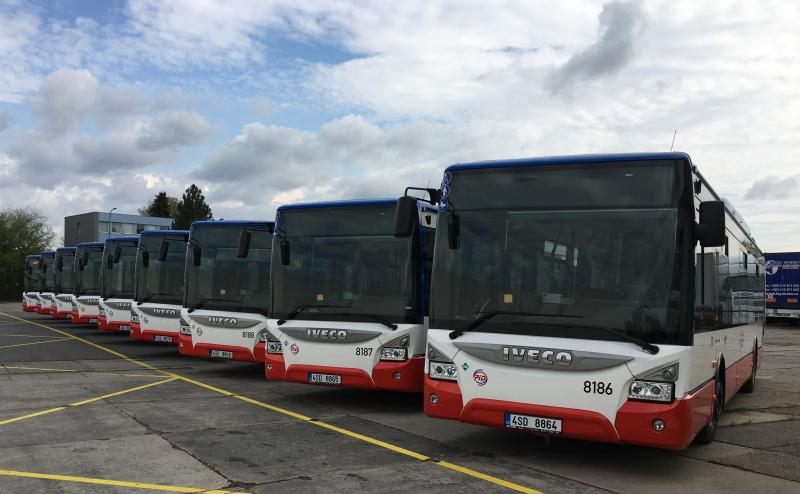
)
(139, 334)
(392, 376)
(240, 354)
(633, 424)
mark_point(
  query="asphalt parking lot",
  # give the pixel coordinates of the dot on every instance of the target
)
(87, 411)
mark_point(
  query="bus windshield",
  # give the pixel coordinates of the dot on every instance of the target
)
(119, 278)
(161, 281)
(223, 281)
(565, 251)
(31, 280)
(47, 273)
(87, 276)
(346, 260)
(65, 277)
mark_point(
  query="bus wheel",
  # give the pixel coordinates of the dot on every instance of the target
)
(707, 433)
(750, 385)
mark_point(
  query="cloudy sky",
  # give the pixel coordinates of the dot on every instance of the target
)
(104, 103)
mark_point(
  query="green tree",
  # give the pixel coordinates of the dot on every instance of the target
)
(192, 207)
(23, 232)
(162, 206)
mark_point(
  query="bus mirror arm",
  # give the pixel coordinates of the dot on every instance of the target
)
(285, 254)
(145, 259)
(196, 253)
(163, 250)
(710, 230)
(453, 230)
(244, 244)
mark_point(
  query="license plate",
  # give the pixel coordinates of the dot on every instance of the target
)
(124, 328)
(92, 320)
(219, 353)
(533, 423)
(316, 378)
(165, 339)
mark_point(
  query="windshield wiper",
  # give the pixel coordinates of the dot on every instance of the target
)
(389, 324)
(300, 308)
(110, 295)
(488, 315)
(647, 347)
(146, 298)
(200, 303)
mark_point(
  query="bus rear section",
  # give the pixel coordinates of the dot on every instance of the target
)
(118, 282)
(64, 283)
(30, 297)
(86, 295)
(562, 300)
(160, 261)
(349, 298)
(227, 290)
(783, 285)
(47, 281)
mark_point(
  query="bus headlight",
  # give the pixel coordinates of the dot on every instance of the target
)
(262, 336)
(274, 346)
(650, 391)
(102, 311)
(389, 353)
(445, 371)
(134, 319)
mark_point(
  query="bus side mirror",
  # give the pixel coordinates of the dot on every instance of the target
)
(85, 258)
(145, 259)
(711, 228)
(284, 252)
(60, 264)
(453, 230)
(117, 254)
(109, 262)
(80, 266)
(196, 252)
(404, 216)
(163, 250)
(244, 244)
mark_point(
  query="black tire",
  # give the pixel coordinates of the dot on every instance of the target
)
(707, 433)
(750, 385)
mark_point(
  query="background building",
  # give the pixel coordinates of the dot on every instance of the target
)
(94, 227)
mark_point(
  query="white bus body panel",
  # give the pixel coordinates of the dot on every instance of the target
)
(117, 312)
(236, 332)
(151, 320)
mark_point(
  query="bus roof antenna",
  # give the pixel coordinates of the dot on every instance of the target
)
(673, 140)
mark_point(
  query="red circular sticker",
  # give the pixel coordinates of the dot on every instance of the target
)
(294, 348)
(480, 377)
(199, 331)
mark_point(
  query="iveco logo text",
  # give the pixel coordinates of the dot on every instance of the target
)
(222, 321)
(166, 312)
(327, 334)
(537, 356)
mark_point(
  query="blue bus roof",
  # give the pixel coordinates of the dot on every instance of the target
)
(121, 239)
(232, 223)
(572, 160)
(33, 256)
(165, 232)
(47, 252)
(65, 249)
(333, 204)
(90, 244)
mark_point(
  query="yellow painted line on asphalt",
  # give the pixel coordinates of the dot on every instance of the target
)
(124, 391)
(113, 483)
(46, 370)
(32, 415)
(361, 437)
(33, 343)
(85, 402)
(23, 335)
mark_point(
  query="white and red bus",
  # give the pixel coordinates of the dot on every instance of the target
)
(591, 297)
(88, 269)
(349, 299)
(160, 262)
(118, 281)
(31, 283)
(224, 314)
(64, 283)
(47, 282)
